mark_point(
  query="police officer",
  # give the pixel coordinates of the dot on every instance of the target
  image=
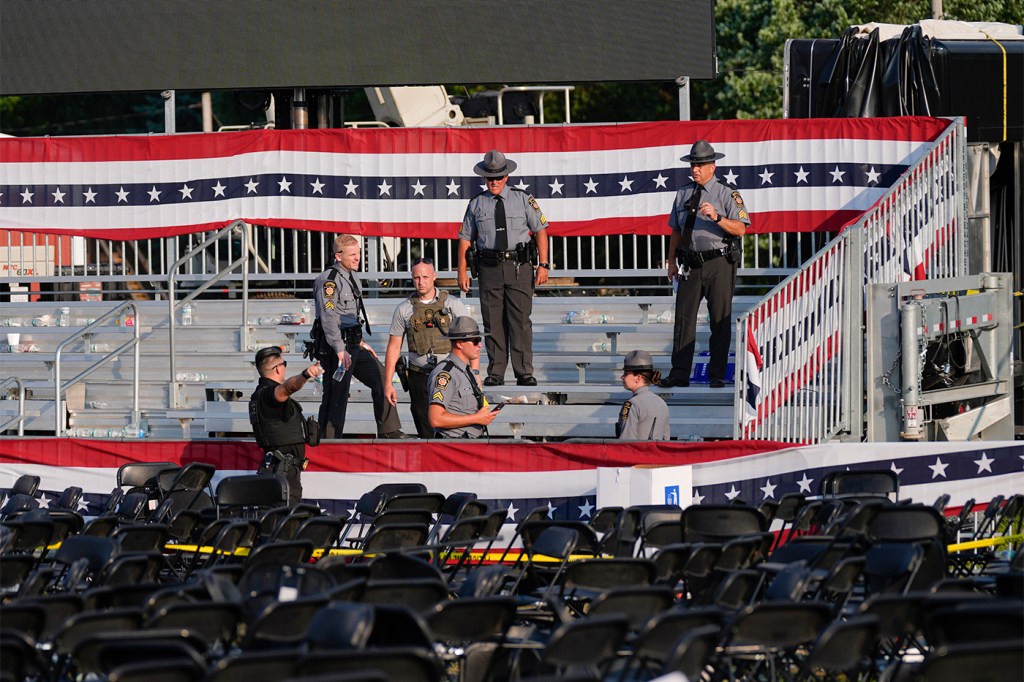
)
(277, 420)
(503, 223)
(457, 408)
(708, 220)
(339, 307)
(423, 319)
(645, 415)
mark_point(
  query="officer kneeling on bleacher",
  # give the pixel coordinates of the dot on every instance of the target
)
(277, 422)
(457, 406)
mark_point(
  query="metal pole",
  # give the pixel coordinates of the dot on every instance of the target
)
(207, 101)
(684, 98)
(910, 323)
(300, 111)
(169, 102)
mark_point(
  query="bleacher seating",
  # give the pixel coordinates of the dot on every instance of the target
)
(577, 365)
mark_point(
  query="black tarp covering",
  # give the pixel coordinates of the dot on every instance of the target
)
(911, 74)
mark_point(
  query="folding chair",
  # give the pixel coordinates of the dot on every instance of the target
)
(1000, 661)
(845, 647)
(250, 496)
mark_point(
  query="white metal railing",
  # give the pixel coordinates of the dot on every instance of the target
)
(19, 418)
(809, 329)
(289, 260)
(84, 333)
(242, 260)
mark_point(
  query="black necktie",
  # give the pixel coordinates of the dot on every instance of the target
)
(500, 227)
(691, 216)
(359, 298)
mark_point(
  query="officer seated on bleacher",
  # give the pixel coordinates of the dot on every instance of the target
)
(277, 422)
(457, 406)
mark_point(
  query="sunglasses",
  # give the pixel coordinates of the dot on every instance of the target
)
(498, 179)
(283, 363)
(425, 261)
(476, 342)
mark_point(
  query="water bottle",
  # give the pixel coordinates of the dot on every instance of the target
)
(306, 309)
(570, 317)
(665, 317)
(99, 347)
(133, 430)
(98, 404)
(190, 376)
(41, 321)
(65, 317)
(601, 347)
(605, 319)
(339, 373)
(287, 319)
(186, 315)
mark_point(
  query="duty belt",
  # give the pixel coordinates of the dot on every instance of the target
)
(497, 257)
(695, 259)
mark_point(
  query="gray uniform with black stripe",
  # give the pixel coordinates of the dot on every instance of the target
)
(506, 289)
(452, 387)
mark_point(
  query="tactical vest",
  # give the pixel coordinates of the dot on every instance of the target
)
(429, 325)
(274, 433)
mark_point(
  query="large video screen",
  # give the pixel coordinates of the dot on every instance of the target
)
(55, 46)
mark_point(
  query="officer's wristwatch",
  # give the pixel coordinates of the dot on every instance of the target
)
(305, 375)
(718, 219)
(546, 266)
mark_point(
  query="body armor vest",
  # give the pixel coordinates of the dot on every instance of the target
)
(274, 433)
(428, 325)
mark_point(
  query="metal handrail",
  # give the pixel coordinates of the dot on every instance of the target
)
(58, 387)
(19, 418)
(243, 260)
(540, 89)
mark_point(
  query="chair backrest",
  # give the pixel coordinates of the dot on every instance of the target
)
(721, 522)
(26, 484)
(142, 474)
(866, 482)
(390, 489)
(340, 625)
(251, 492)
(431, 502)
(905, 524)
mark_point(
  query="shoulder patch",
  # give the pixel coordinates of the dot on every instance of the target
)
(743, 215)
(438, 396)
(442, 380)
(330, 288)
(329, 305)
(626, 407)
(738, 199)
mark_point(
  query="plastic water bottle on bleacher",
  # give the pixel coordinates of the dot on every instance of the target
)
(186, 315)
(601, 347)
(190, 376)
(306, 309)
(665, 317)
(65, 317)
(133, 430)
(604, 319)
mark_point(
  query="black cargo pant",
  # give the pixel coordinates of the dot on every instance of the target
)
(714, 281)
(506, 303)
(334, 405)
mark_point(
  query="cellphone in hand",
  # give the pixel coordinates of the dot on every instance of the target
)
(497, 407)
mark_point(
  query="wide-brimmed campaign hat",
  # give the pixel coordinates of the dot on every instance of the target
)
(637, 361)
(702, 152)
(463, 327)
(263, 353)
(494, 165)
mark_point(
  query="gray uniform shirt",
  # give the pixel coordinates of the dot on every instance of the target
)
(336, 305)
(403, 314)
(643, 417)
(451, 387)
(523, 218)
(707, 234)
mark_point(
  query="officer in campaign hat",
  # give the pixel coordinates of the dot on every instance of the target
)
(645, 415)
(708, 221)
(277, 422)
(457, 405)
(506, 232)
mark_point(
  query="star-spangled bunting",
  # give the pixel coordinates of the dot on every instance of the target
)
(416, 182)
